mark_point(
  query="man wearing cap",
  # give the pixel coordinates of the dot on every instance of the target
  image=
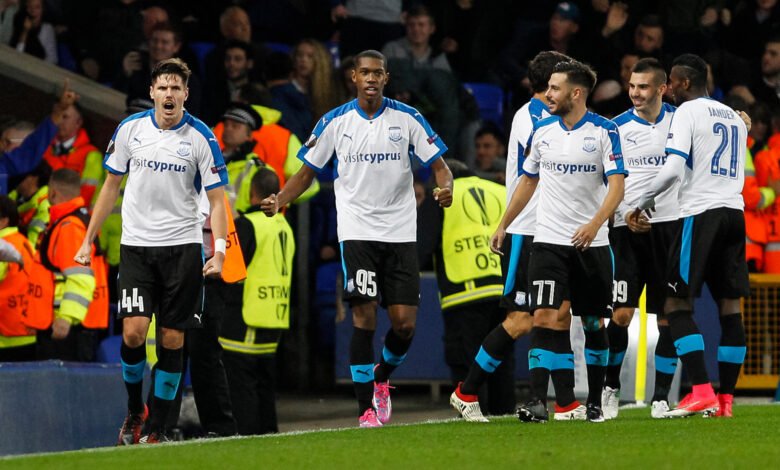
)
(239, 121)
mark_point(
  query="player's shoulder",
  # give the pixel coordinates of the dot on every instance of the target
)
(600, 121)
(546, 123)
(403, 109)
(135, 120)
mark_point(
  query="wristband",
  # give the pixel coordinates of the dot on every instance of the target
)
(220, 245)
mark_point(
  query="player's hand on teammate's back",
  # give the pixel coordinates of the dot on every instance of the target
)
(213, 267)
(84, 255)
(584, 236)
(497, 241)
(639, 224)
(443, 196)
(270, 205)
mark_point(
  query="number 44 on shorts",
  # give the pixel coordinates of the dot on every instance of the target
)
(128, 303)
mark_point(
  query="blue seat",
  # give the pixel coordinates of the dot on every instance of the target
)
(65, 57)
(201, 50)
(490, 100)
(279, 47)
(108, 351)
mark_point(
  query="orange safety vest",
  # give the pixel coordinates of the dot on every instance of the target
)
(60, 233)
(13, 290)
(271, 143)
(40, 295)
(73, 160)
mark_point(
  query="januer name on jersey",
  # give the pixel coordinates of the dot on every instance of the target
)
(373, 165)
(573, 166)
(644, 154)
(522, 128)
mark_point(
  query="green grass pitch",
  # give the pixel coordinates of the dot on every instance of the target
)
(751, 440)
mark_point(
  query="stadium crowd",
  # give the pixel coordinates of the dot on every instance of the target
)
(265, 72)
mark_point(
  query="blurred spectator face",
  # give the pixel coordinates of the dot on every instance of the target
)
(648, 39)
(163, 45)
(71, 123)
(235, 25)
(488, 148)
(626, 64)
(237, 64)
(419, 29)
(766, 4)
(35, 10)
(303, 62)
(153, 16)
(235, 133)
(770, 61)
(12, 138)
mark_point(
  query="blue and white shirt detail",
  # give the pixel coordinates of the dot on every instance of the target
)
(573, 166)
(166, 171)
(522, 128)
(712, 138)
(644, 154)
(373, 157)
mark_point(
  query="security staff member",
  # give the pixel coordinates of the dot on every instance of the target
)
(258, 312)
(470, 286)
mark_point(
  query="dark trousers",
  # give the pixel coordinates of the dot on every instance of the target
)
(465, 327)
(18, 353)
(79, 346)
(252, 381)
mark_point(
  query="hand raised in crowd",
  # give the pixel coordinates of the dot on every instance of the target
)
(746, 119)
(67, 98)
(131, 62)
(338, 12)
(443, 196)
(617, 16)
(270, 205)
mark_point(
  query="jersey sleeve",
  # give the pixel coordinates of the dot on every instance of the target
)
(211, 163)
(680, 139)
(533, 157)
(519, 138)
(117, 158)
(612, 155)
(424, 143)
(320, 147)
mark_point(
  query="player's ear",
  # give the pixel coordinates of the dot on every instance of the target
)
(151, 91)
(354, 75)
(186, 93)
(387, 78)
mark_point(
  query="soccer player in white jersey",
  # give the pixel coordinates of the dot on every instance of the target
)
(641, 247)
(169, 157)
(498, 344)
(706, 149)
(572, 155)
(372, 141)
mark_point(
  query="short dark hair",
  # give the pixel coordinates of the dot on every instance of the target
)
(458, 168)
(693, 68)
(66, 181)
(8, 209)
(541, 67)
(174, 66)
(168, 27)
(243, 45)
(490, 128)
(651, 65)
(265, 182)
(420, 10)
(577, 73)
(371, 54)
(651, 21)
(278, 66)
(255, 93)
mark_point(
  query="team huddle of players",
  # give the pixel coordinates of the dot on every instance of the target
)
(677, 223)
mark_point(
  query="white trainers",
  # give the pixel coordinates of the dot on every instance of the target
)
(578, 413)
(658, 408)
(468, 410)
(610, 402)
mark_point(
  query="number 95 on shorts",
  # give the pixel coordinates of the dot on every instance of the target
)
(381, 271)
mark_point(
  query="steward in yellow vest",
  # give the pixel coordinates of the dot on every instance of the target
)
(469, 278)
(258, 311)
(32, 198)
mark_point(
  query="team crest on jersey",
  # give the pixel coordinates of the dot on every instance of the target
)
(184, 148)
(395, 134)
(589, 145)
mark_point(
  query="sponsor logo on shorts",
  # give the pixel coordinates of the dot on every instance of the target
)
(520, 298)
(350, 286)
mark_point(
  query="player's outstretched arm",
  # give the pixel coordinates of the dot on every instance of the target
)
(670, 172)
(213, 268)
(299, 183)
(103, 207)
(443, 175)
(523, 192)
(584, 235)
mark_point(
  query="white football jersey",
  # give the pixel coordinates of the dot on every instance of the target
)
(167, 170)
(373, 160)
(644, 154)
(522, 127)
(573, 167)
(712, 139)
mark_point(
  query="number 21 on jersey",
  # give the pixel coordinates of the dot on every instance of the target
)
(729, 145)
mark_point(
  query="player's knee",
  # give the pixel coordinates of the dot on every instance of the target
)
(518, 324)
(405, 330)
(134, 337)
(673, 304)
(545, 318)
(623, 316)
(729, 307)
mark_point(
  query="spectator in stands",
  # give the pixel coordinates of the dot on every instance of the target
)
(366, 24)
(8, 10)
(17, 340)
(14, 134)
(344, 79)
(610, 97)
(490, 146)
(234, 26)
(312, 74)
(32, 199)
(752, 23)
(253, 325)
(766, 86)
(80, 314)
(72, 148)
(416, 45)
(164, 43)
(32, 35)
(237, 69)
